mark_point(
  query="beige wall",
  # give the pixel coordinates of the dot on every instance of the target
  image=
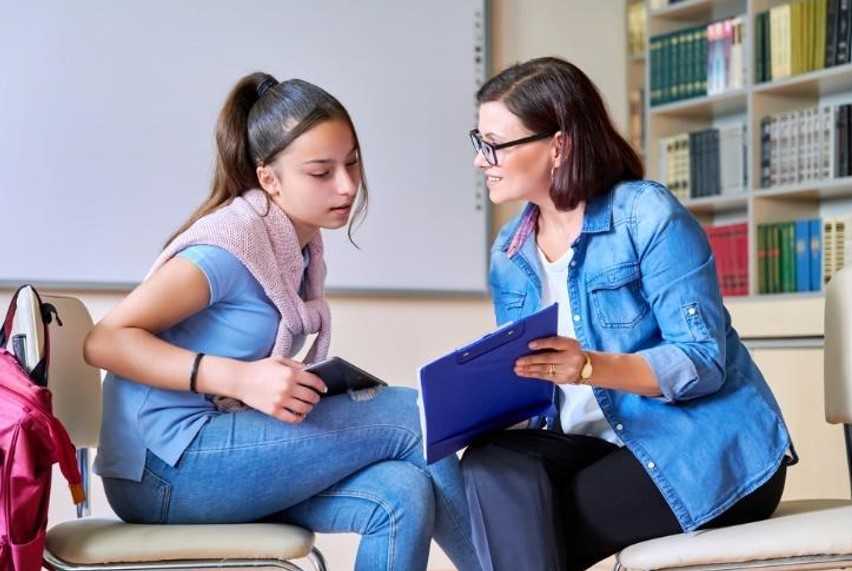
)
(589, 34)
(392, 336)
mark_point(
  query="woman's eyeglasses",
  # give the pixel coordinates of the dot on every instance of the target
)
(489, 150)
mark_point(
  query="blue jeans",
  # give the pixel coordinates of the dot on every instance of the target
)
(354, 465)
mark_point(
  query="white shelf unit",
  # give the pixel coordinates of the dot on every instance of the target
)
(753, 102)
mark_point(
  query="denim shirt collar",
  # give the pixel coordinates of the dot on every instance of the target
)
(597, 218)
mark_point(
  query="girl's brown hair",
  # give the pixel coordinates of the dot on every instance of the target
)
(259, 119)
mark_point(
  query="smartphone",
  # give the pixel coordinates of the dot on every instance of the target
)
(339, 375)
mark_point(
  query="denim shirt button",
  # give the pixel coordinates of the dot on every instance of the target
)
(573, 263)
(651, 465)
(576, 317)
(619, 427)
(691, 311)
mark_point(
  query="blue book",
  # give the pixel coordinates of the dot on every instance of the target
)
(816, 254)
(474, 390)
(803, 255)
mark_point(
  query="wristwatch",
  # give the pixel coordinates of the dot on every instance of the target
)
(587, 370)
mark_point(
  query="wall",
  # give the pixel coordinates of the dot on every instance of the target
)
(392, 336)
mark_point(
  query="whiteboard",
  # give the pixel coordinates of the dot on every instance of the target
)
(108, 108)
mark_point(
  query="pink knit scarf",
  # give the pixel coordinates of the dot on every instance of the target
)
(263, 238)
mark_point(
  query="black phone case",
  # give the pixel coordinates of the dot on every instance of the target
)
(339, 375)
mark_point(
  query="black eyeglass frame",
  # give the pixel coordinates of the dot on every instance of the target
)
(483, 147)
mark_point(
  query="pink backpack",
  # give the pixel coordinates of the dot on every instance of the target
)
(31, 441)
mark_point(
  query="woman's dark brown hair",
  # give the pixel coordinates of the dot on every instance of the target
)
(549, 95)
(259, 119)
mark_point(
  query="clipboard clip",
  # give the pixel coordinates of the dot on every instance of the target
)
(490, 342)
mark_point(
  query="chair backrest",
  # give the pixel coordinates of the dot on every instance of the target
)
(76, 386)
(838, 348)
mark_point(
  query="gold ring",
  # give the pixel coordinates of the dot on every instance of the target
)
(552, 370)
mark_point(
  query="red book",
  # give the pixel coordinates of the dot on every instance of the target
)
(728, 263)
(741, 247)
(716, 238)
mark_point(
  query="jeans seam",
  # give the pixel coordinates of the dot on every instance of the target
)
(299, 439)
(385, 506)
(167, 504)
(166, 494)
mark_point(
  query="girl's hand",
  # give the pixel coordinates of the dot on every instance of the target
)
(280, 388)
(560, 361)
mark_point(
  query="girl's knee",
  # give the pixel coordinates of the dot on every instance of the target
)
(407, 498)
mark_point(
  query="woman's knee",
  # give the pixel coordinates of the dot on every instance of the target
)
(489, 467)
(481, 462)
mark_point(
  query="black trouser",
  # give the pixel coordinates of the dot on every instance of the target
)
(545, 501)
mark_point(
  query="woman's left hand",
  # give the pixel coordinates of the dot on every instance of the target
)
(560, 361)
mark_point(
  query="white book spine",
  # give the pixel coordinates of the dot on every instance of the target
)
(774, 152)
(829, 141)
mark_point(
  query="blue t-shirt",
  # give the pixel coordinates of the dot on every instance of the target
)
(239, 322)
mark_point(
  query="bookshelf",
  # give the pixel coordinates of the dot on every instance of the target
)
(636, 19)
(748, 104)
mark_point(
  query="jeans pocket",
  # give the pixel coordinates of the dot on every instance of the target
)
(147, 501)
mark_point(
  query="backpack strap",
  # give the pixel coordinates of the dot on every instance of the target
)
(47, 313)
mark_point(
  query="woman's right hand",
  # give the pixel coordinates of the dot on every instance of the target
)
(281, 388)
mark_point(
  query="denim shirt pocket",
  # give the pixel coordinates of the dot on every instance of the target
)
(616, 296)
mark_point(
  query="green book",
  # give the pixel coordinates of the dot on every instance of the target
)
(767, 48)
(668, 68)
(655, 70)
(696, 62)
(674, 54)
(789, 233)
(683, 64)
(785, 249)
(770, 259)
(782, 258)
(702, 57)
(677, 76)
(664, 69)
(761, 259)
(774, 258)
(758, 49)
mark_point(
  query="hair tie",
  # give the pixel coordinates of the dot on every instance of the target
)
(266, 85)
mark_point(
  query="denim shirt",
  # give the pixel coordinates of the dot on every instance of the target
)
(643, 281)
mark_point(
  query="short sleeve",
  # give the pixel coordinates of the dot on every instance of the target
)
(221, 268)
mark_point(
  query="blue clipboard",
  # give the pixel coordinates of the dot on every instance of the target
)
(474, 389)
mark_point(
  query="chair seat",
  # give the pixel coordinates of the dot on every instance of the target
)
(810, 533)
(102, 541)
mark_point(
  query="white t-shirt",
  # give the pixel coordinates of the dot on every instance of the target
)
(579, 412)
